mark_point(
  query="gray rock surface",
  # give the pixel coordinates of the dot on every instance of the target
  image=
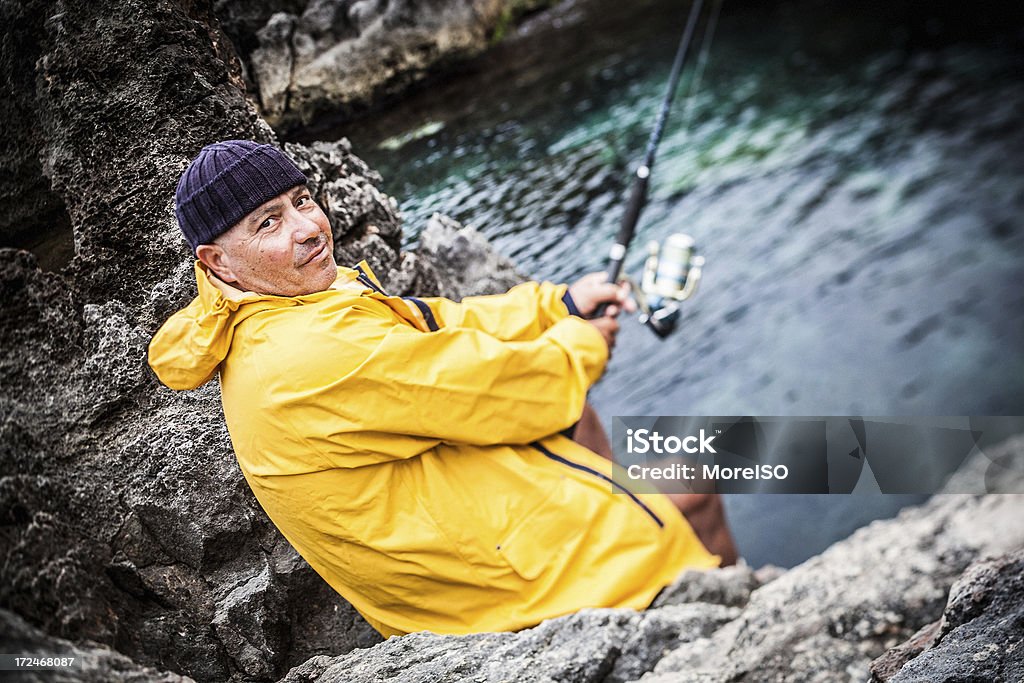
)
(981, 633)
(835, 613)
(91, 663)
(342, 56)
(465, 260)
(593, 645)
(730, 586)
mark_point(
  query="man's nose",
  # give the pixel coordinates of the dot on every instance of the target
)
(304, 229)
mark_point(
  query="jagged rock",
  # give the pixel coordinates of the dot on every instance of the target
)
(886, 666)
(728, 586)
(92, 664)
(465, 261)
(836, 612)
(590, 646)
(26, 201)
(343, 56)
(980, 636)
(272, 61)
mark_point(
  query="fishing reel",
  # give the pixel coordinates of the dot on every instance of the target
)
(671, 275)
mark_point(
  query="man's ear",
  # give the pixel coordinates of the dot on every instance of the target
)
(216, 259)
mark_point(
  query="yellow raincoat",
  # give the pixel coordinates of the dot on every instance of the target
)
(410, 450)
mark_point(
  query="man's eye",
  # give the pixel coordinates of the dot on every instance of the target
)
(304, 199)
(265, 224)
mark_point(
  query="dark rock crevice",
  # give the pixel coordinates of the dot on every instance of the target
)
(32, 214)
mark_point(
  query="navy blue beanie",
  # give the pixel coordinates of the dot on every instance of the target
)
(225, 182)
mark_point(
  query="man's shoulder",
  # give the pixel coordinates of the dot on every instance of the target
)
(326, 324)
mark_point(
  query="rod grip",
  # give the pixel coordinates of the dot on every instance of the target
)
(637, 199)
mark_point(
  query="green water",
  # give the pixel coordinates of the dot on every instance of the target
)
(855, 179)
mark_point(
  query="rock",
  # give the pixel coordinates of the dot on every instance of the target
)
(273, 62)
(730, 586)
(591, 645)
(980, 636)
(343, 57)
(464, 260)
(838, 611)
(92, 664)
(886, 666)
(26, 200)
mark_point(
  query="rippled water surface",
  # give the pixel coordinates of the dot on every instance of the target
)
(854, 179)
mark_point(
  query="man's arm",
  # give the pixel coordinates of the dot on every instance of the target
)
(463, 385)
(527, 310)
(522, 313)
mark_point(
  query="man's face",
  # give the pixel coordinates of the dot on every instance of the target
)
(283, 247)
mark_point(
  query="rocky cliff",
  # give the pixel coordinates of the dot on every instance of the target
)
(339, 57)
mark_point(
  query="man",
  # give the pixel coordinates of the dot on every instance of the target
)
(410, 450)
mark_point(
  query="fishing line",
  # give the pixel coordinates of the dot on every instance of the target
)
(698, 71)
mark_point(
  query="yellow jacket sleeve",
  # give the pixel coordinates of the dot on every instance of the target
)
(520, 314)
(463, 385)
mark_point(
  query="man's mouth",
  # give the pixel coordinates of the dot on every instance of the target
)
(317, 253)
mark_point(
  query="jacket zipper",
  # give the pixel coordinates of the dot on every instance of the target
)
(365, 279)
(425, 311)
(584, 468)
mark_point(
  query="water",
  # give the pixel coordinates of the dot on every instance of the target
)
(853, 179)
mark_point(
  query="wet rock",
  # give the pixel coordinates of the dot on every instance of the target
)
(343, 56)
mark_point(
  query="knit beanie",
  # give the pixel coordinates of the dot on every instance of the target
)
(225, 182)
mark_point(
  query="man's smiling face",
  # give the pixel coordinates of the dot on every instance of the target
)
(283, 247)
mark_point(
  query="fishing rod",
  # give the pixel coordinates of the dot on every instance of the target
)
(674, 276)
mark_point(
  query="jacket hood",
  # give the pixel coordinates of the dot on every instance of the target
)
(188, 349)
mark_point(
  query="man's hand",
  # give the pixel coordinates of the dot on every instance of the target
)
(608, 327)
(592, 290)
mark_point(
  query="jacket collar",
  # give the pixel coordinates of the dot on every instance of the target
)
(214, 291)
